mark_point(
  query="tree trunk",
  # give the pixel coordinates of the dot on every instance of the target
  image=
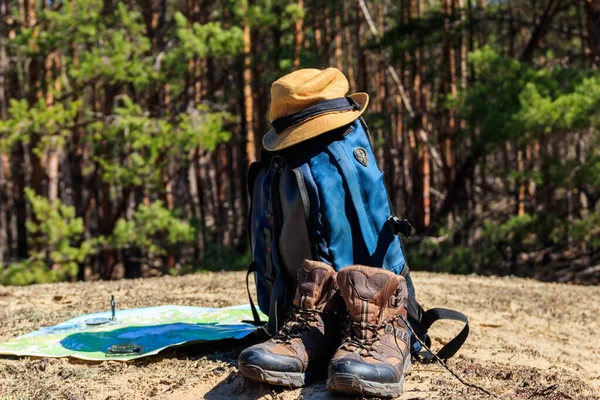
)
(448, 86)
(455, 190)
(298, 37)
(349, 25)
(223, 184)
(242, 159)
(521, 191)
(109, 218)
(260, 94)
(33, 93)
(419, 161)
(18, 174)
(326, 33)
(204, 211)
(541, 29)
(512, 31)
(592, 8)
(195, 199)
(426, 188)
(251, 150)
(170, 203)
(3, 58)
(361, 61)
(463, 48)
(338, 37)
(108, 255)
(4, 211)
(318, 32)
(424, 96)
(4, 159)
(54, 153)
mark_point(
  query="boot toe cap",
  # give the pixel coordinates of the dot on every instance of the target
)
(259, 356)
(373, 372)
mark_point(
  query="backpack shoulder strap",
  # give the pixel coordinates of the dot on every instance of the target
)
(253, 171)
(306, 205)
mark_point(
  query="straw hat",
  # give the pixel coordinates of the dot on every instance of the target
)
(304, 89)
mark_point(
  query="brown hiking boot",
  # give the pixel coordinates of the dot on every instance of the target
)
(375, 352)
(310, 334)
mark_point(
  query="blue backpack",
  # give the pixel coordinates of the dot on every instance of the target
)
(325, 199)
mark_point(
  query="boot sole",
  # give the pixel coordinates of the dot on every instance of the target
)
(288, 379)
(352, 384)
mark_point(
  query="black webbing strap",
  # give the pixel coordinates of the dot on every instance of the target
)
(303, 194)
(306, 207)
(415, 317)
(422, 320)
(322, 107)
(436, 314)
(256, 318)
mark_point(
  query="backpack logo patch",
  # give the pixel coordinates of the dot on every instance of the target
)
(361, 156)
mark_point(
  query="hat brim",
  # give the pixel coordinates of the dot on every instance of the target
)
(316, 126)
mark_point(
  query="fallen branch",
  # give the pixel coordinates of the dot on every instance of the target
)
(587, 272)
(544, 392)
(400, 86)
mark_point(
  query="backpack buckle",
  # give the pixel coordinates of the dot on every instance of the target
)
(401, 226)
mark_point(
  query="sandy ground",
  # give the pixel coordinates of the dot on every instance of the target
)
(529, 340)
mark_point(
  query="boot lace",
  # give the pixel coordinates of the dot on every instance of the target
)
(351, 340)
(364, 347)
(296, 323)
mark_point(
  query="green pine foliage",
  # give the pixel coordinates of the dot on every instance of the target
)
(54, 230)
(51, 124)
(210, 39)
(150, 144)
(151, 228)
(129, 144)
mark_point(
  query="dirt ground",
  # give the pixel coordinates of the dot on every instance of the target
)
(529, 340)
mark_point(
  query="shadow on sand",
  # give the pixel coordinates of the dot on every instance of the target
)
(235, 386)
